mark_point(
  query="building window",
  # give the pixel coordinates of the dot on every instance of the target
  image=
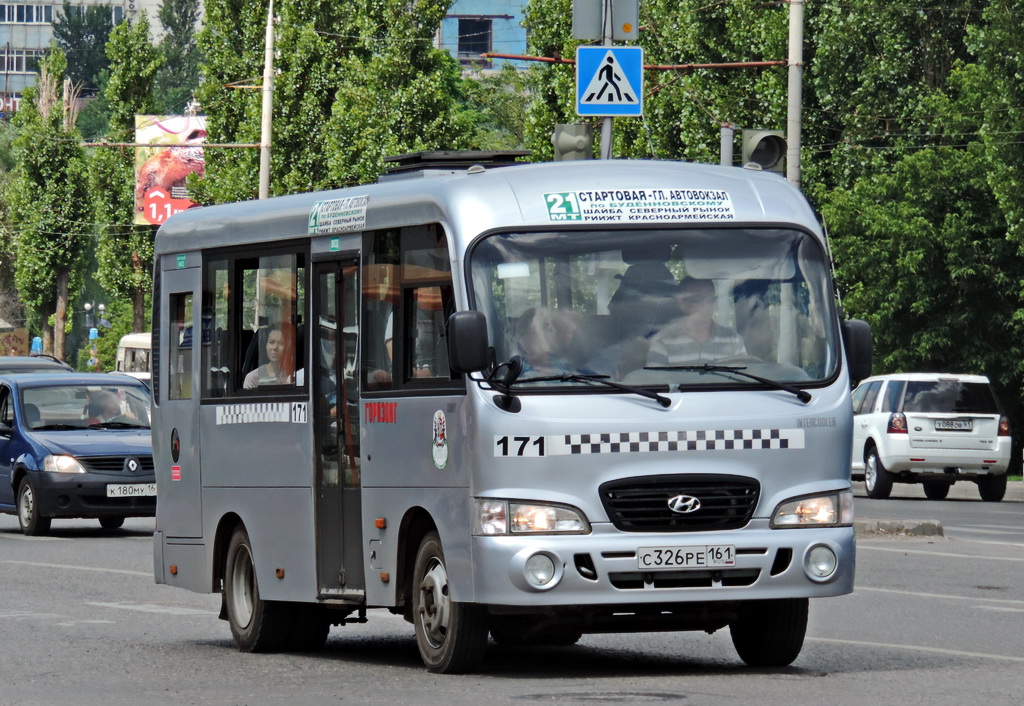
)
(26, 14)
(474, 40)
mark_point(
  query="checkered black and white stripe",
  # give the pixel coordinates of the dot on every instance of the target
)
(647, 441)
(251, 413)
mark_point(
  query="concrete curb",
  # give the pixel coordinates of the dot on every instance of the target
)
(892, 527)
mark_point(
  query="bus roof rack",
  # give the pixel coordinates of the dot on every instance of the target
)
(445, 162)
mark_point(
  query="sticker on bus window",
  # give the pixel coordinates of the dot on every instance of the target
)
(640, 205)
(439, 446)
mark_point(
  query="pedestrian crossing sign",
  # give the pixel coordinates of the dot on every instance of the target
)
(609, 81)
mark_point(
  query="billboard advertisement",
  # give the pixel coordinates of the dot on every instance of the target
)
(173, 150)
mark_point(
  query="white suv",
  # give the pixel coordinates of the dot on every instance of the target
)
(929, 428)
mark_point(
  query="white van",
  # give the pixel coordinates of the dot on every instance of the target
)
(133, 355)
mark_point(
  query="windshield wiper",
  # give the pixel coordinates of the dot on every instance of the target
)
(118, 425)
(505, 375)
(55, 427)
(802, 395)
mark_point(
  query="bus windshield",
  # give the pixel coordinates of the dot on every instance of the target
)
(658, 307)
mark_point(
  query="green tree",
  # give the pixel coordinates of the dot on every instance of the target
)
(358, 81)
(125, 250)
(50, 203)
(81, 32)
(179, 76)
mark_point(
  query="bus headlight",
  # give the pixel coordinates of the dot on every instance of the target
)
(502, 517)
(827, 510)
(62, 464)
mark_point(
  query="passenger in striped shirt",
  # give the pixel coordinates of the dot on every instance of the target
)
(695, 337)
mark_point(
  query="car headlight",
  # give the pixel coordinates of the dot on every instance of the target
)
(62, 464)
(827, 510)
(496, 517)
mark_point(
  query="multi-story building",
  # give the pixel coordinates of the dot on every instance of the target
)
(26, 30)
(471, 28)
(475, 27)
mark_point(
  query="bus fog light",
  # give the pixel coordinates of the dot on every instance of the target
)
(540, 570)
(820, 562)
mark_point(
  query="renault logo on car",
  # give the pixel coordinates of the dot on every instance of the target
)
(131, 464)
(683, 504)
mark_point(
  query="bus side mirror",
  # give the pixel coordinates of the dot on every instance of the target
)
(467, 342)
(858, 345)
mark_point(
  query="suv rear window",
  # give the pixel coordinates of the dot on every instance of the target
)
(949, 396)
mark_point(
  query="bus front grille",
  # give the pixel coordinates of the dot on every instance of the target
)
(646, 504)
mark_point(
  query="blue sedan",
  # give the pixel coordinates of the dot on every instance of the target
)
(75, 445)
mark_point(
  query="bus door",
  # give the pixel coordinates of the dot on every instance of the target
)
(176, 439)
(336, 395)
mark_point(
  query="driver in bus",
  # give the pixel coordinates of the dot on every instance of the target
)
(695, 336)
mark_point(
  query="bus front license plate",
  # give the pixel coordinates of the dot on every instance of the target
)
(131, 490)
(706, 557)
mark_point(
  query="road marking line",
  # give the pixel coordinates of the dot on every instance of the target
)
(978, 530)
(79, 568)
(1001, 609)
(945, 554)
(986, 541)
(939, 595)
(25, 538)
(153, 608)
(919, 648)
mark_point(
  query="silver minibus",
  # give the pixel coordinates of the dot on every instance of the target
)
(513, 403)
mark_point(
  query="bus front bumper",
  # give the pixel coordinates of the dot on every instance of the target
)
(607, 566)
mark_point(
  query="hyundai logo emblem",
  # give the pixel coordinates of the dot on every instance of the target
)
(131, 464)
(683, 504)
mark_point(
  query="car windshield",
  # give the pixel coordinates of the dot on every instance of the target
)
(672, 307)
(112, 405)
(949, 396)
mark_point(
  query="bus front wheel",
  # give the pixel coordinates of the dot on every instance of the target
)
(770, 633)
(451, 636)
(257, 625)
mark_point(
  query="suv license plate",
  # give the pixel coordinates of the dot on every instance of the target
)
(954, 424)
(131, 490)
(711, 556)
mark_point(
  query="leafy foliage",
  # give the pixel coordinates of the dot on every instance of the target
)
(82, 32)
(50, 202)
(179, 75)
(125, 251)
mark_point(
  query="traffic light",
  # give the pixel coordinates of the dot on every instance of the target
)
(574, 141)
(765, 148)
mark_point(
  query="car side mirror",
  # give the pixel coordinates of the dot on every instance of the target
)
(467, 342)
(859, 346)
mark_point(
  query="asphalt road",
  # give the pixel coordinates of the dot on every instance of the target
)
(933, 620)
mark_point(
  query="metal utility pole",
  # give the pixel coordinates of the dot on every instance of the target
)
(268, 106)
(726, 148)
(606, 122)
(796, 71)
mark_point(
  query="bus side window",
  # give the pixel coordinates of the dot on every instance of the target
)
(215, 311)
(181, 348)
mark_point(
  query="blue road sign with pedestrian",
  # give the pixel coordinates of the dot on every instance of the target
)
(609, 81)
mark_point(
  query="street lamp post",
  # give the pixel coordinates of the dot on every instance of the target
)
(91, 320)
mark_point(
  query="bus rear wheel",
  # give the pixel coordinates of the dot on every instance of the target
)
(451, 636)
(257, 625)
(770, 633)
